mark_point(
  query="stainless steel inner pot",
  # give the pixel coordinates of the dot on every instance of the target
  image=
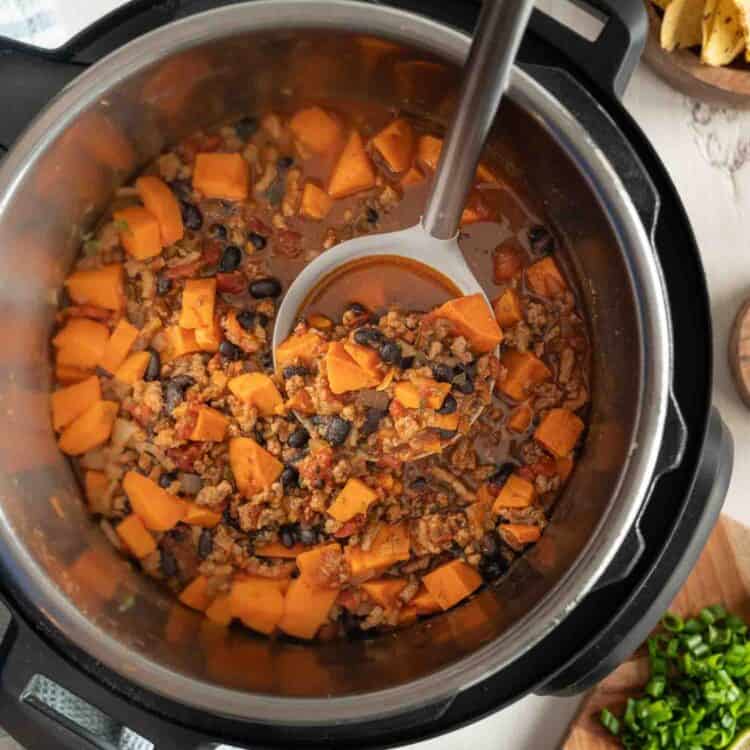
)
(59, 176)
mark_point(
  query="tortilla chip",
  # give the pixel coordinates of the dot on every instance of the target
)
(681, 25)
(723, 33)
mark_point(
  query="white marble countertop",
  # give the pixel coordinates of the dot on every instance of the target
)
(707, 152)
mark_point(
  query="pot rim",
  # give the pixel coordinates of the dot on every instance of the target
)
(452, 45)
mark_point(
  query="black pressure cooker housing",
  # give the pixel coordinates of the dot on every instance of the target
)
(588, 78)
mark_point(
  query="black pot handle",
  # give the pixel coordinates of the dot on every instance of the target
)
(609, 60)
(640, 612)
(48, 702)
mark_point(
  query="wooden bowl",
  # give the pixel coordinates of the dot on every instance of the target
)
(682, 69)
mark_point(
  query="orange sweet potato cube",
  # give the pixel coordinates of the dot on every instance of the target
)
(355, 498)
(385, 591)
(103, 287)
(306, 608)
(444, 421)
(259, 390)
(344, 374)
(521, 533)
(559, 431)
(160, 201)
(135, 536)
(198, 301)
(89, 430)
(472, 317)
(210, 427)
(219, 611)
(118, 346)
(69, 403)
(197, 515)
(545, 279)
(258, 602)
(139, 232)
(452, 582)
(315, 203)
(520, 419)
(395, 143)
(277, 549)
(517, 492)
(413, 177)
(254, 468)
(523, 372)
(67, 374)
(225, 176)
(424, 602)
(353, 171)
(316, 129)
(208, 338)
(158, 510)
(133, 368)
(365, 356)
(390, 545)
(508, 308)
(421, 392)
(428, 150)
(81, 343)
(313, 563)
(565, 467)
(195, 594)
(180, 341)
(302, 348)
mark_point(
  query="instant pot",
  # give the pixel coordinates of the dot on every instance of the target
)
(93, 652)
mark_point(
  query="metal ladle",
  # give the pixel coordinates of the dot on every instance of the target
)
(434, 241)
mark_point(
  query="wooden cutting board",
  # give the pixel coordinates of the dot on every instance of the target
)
(722, 574)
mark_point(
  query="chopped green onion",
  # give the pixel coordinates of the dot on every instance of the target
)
(609, 721)
(672, 622)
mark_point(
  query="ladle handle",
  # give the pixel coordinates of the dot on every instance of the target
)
(497, 36)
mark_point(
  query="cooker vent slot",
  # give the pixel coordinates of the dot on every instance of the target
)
(80, 717)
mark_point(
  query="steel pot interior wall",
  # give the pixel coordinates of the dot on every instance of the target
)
(53, 195)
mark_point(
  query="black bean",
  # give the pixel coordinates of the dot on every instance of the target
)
(449, 405)
(407, 363)
(418, 485)
(205, 544)
(372, 215)
(446, 434)
(245, 127)
(258, 436)
(390, 352)
(219, 231)
(192, 218)
(174, 391)
(179, 532)
(368, 336)
(286, 536)
(168, 564)
(163, 285)
(246, 319)
(299, 438)
(183, 189)
(258, 240)
(442, 373)
(463, 385)
(291, 370)
(153, 369)
(307, 536)
(230, 259)
(488, 544)
(263, 319)
(266, 361)
(285, 162)
(372, 421)
(229, 351)
(541, 240)
(355, 308)
(500, 476)
(229, 519)
(166, 479)
(338, 430)
(263, 288)
(276, 190)
(491, 568)
(289, 478)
